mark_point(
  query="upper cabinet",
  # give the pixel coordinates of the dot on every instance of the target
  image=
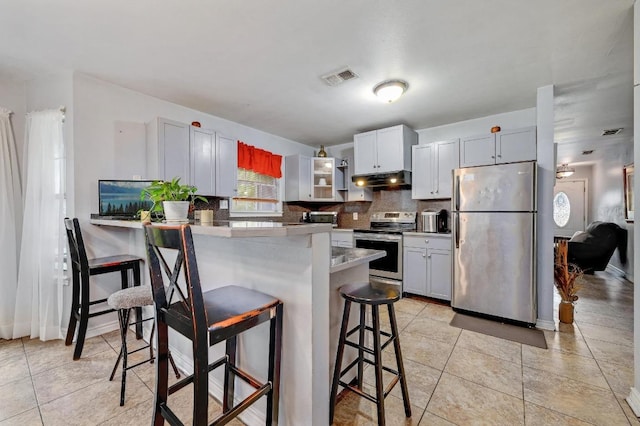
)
(312, 179)
(507, 146)
(384, 150)
(432, 166)
(199, 157)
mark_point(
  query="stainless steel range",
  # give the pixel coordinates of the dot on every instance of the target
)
(385, 234)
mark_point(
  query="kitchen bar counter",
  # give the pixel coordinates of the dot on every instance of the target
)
(294, 262)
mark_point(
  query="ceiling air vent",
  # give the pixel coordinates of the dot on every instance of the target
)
(587, 152)
(611, 132)
(339, 77)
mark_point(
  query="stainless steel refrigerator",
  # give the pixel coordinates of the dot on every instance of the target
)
(494, 240)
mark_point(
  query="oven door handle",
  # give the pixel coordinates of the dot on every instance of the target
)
(369, 237)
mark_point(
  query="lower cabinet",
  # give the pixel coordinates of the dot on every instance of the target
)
(342, 238)
(427, 265)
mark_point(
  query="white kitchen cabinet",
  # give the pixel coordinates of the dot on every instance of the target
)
(310, 179)
(168, 150)
(384, 150)
(214, 163)
(506, 146)
(355, 192)
(342, 238)
(431, 169)
(199, 157)
(427, 265)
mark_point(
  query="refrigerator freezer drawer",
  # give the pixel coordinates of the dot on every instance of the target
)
(493, 264)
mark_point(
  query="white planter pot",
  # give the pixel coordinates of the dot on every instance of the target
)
(175, 211)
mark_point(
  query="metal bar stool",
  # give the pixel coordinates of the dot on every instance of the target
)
(82, 268)
(124, 301)
(206, 319)
(365, 294)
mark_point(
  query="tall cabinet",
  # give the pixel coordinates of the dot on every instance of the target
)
(432, 166)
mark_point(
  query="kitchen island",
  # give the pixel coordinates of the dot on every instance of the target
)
(293, 262)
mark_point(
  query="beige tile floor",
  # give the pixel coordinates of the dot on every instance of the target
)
(455, 377)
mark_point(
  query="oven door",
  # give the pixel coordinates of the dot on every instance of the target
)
(389, 266)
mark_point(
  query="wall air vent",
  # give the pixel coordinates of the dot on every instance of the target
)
(611, 132)
(339, 77)
(587, 152)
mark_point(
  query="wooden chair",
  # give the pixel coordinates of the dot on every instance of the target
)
(82, 268)
(207, 318)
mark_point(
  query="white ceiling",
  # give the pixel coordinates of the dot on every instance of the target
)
(259, 62)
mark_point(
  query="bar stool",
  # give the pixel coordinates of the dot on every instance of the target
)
(206, 319)
(82, 268)
(364, 294)
(124, 301)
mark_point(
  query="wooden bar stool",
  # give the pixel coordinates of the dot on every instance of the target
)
(206, 319)
(366, 295)
(124, 301)
(82, 268)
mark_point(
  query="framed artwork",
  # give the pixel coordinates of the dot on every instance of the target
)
(628, 192)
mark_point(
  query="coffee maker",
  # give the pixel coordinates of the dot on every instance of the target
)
(442, 222)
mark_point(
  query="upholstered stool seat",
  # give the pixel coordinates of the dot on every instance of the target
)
(367, 295)
(123, 301)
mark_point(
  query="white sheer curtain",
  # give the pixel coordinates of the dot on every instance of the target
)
(10, 223)
(40, 275)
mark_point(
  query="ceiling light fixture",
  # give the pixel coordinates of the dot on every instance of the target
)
(564, 171)
(390, 90)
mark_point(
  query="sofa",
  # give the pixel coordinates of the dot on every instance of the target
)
(592, 249)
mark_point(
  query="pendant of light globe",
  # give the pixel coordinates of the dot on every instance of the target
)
(390, 90)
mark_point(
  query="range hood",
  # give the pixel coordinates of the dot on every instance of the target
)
(399, 178)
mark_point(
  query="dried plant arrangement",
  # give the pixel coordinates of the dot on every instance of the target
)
(566, 276)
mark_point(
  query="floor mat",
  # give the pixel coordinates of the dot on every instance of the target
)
(527, 336)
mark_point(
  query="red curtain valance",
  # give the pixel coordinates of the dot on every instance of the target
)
(259, 160)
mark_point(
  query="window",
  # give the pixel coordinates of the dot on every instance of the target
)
(561, 209)
(258, 195)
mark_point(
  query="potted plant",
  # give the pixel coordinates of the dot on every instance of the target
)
(172, 198)
(566, 277)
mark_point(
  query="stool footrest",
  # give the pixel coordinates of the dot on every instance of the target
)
(225, 418)
(106, 311)
(169, 415)
(246, 377)
(359, 392)
(189, 379)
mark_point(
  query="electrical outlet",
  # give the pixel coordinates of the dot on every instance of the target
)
(224, 204)
(355, 215)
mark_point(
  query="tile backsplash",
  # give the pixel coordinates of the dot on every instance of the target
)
(383, 200)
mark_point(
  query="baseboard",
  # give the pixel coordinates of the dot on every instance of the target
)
(545, 325)
(614, 270)
(634, 401)
(95, 330)
(251, 416)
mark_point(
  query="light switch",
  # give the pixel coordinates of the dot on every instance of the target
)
(355, 215)
(224, 204)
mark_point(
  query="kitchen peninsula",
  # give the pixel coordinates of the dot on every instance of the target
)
(295, 263)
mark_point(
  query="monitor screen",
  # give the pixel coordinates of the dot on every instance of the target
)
(122, 197)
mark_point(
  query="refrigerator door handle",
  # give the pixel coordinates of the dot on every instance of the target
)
(456, 193)
(457, 230)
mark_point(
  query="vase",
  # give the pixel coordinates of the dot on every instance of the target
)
(565, 312)
(322, 152)
(176, 211)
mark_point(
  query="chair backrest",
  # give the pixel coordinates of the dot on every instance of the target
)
(79, 260)
(169, 298)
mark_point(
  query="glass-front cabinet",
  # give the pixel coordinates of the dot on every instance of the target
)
(323, 178)
(312, 179)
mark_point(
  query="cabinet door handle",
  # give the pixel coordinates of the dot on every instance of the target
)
(426, 241)
(429, 256)
(424, 255)
(493, 156)
(499, 156)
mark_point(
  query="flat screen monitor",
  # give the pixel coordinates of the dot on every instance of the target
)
(121, 198)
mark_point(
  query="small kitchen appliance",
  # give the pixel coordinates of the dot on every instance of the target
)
(443, 221)
(429, 221)
(321, 217)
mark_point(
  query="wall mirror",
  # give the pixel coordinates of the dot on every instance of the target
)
(628, 192)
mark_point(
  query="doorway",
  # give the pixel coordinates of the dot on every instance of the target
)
(569, 207)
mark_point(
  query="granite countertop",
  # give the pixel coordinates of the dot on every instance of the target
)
(234, 228)
(344, 258)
